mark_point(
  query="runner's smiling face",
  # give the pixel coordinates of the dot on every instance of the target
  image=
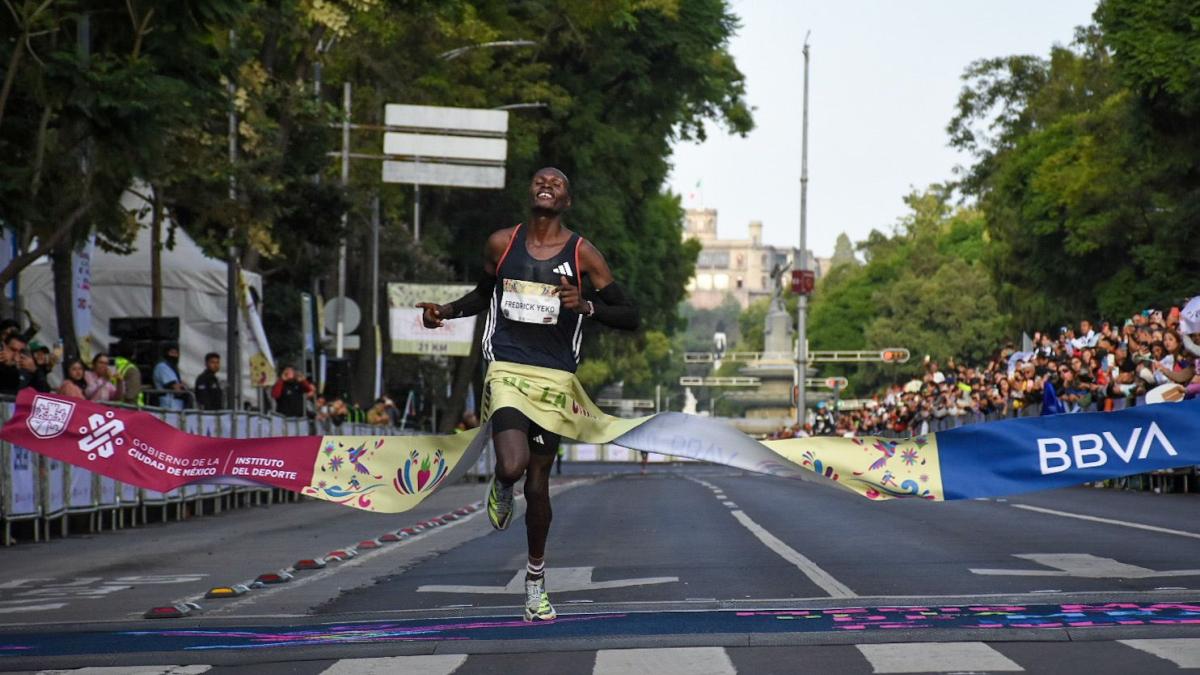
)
(550, 191)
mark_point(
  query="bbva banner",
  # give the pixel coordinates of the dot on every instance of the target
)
(390, 474)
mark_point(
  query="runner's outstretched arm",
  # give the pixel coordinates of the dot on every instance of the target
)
(478, 298)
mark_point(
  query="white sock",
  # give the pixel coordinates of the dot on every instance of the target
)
(535, 570)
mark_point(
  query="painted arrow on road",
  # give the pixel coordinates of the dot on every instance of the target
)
(1084, 565)
(559, 580)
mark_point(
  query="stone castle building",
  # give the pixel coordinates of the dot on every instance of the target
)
(738, 267)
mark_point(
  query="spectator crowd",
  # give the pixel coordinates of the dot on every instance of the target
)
(1089, 368)
(25, 362)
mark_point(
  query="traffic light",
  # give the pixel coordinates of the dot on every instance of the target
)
(894, 355)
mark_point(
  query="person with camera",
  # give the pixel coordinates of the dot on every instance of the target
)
(17, 367)
(290, 391)
(44, 361)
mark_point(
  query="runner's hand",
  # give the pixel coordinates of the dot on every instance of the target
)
(434, 316)
(570, 296)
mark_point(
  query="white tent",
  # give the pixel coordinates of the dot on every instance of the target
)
(193, 290)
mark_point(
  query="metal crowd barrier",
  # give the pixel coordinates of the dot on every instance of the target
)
(48, 492)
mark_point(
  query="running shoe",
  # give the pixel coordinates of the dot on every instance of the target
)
(499, 504)
(537, 601)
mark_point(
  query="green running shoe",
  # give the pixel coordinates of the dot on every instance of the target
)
(537, 601)
(499, 504)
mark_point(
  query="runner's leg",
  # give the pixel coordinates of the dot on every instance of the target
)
(537, 492)
(510, 435)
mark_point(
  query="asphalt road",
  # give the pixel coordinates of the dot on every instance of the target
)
(687, 569)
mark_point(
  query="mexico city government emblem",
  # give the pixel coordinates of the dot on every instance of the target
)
(49, 417)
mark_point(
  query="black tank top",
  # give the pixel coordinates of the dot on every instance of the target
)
(526, 324)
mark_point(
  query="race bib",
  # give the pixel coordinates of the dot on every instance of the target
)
(529, 302)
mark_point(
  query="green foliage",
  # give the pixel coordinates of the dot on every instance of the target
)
(843, 252)
(925, 288)
(703, 323)
(620, 80)
(1087, 175)
(78, 122)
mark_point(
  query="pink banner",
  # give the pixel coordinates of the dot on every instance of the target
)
(137, 448)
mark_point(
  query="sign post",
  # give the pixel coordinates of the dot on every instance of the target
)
(453, 147)
(409, 336)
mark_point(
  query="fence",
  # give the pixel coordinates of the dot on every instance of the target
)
(44, 492)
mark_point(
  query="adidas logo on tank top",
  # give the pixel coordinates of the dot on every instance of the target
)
(526, 323)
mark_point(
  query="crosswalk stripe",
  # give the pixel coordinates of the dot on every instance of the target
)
(1183, 652)
(935, 657)
(132, 670)
(884, 658)
(441, 664)
(668, 661)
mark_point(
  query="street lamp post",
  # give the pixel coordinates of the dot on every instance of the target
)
(802, 304)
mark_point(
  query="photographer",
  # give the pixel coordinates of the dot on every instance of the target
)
(44, 361)
(17, 367)
(290, 391)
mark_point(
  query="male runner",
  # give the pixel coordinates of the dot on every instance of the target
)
(534, 261)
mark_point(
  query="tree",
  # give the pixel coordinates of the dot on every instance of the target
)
(89, 93)
(925, 288)
(843, 252)
(1086, 180)
(621, 79)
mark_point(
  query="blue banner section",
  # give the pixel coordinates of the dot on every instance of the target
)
(1039, 453)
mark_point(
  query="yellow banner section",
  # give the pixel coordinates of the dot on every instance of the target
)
(877, 468)
(390, 474)
(395, 473)
(554, 399)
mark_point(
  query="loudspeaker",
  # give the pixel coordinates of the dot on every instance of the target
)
(164, 328)
(337, 379)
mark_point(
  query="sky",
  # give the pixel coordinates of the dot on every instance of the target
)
(884, 78)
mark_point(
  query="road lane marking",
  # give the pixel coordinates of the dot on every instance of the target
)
(810, 569)
(936, 657)
(1109, 521)
(1084, 565)
(558, 579)
(1183, 652)
(32, 608)
(664, 661)
(440, 664)
(361, 558)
